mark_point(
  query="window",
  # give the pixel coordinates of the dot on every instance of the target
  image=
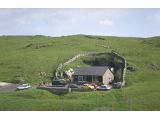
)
(100, 78)
(75, 78)
(80, 78)
(85, 78)
(89, 79)
(97, 78)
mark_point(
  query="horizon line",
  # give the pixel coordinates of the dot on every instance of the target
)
(77, 34)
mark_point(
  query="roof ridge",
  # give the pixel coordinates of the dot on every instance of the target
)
(93, 70)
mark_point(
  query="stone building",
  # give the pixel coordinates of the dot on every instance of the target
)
(95, 74)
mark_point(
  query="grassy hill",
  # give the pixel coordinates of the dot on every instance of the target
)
(24, 57)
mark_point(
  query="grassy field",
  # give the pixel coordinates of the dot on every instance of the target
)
(25, 57)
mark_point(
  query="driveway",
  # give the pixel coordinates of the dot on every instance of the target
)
(7, 87)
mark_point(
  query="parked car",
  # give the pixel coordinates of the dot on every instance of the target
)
(59, 82)
(23, 86)
(95, 85)
(104, 87)
(73, 86)
(117, 85)
(89, 86)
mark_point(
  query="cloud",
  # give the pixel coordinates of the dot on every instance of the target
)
(73, 21)
(106, 22)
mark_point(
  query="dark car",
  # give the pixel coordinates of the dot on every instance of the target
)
(59, 82)
(117, 85)
(73, 86)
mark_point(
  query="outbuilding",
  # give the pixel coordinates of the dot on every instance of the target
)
(96, 74)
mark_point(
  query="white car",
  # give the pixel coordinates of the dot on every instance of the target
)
(104, 87)
(23, 86)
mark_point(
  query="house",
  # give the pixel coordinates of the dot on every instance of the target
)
(96, 74)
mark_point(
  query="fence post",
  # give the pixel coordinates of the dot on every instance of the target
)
(69, 90)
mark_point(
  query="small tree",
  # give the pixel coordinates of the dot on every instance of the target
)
(19, 80)
(43, 77)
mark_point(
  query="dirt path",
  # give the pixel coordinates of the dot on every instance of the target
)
(7, 87)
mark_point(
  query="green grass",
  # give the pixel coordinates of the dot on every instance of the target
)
(21, 58)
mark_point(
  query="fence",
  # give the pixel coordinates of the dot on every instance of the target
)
(124, 66)
(59, 73)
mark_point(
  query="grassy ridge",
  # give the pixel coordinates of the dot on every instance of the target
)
(26, 56)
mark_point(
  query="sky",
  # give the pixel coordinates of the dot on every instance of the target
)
(59, 22)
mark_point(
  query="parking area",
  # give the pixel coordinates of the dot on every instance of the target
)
(7, 87)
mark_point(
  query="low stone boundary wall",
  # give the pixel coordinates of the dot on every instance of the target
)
(124, 66)
(62, 90)
(61, 66)
(59, 74)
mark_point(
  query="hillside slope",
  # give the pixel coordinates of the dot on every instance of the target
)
(25, 57)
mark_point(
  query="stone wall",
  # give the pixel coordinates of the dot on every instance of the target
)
(59, 70)
(124, 67)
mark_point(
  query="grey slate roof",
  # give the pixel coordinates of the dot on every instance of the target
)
(99, 71)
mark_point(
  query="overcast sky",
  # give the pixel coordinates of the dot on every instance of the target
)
(57, 22)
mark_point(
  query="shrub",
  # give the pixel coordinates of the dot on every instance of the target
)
(18, 80)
